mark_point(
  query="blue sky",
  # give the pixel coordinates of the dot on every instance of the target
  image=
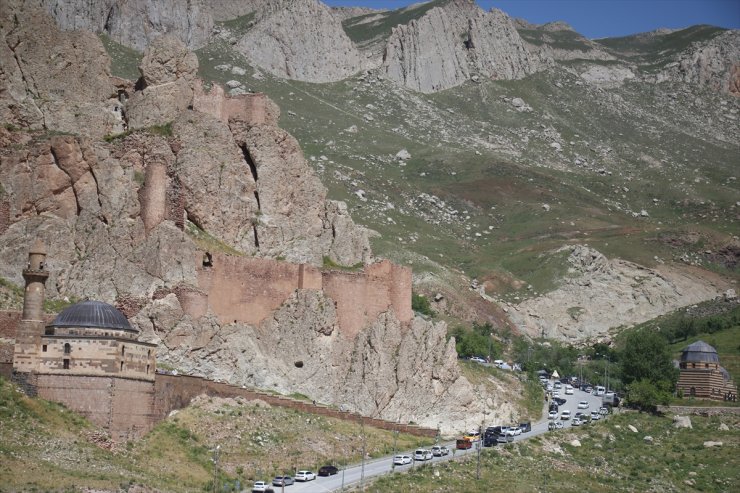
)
(603, 18)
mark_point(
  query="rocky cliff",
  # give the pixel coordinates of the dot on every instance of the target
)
(599, 294)
(300, 39)
(127, 220)
(451, 44)
(135, 23)
(714, 64)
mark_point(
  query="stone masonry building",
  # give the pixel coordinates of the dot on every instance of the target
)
(88, 358)
(701, 375)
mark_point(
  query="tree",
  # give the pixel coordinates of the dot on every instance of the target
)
(646, 356)
(646, 395)
(420, 303)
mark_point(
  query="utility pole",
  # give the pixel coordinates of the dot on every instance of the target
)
(343, 468)
(362, 468)
(393, 460)
(477, 473)
(216, 452)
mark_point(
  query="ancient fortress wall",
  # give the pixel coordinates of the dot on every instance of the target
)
(252, 108)
(247, 289)
(122, 406)
(176, 392)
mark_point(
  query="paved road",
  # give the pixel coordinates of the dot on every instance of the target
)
(352, 474)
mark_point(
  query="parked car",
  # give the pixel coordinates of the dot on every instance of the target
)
(490, 440)
(328, 470)
(595, 415)
(401, 460)
(576, 421)
(283, 481)
(462, 444)
(525, 427)
(569, 390)
(504, 438)
(583, 405)
(262, 487)
(472, 436)
(422, 454)
(554, 425)
(477, 359)
(565, 415)
(553, 415)
(440, 450)
(603, 411)
(305, 476)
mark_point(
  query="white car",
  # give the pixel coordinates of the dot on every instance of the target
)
(565, 415)
(568, 390)
(595, 415)
(515, 430)
(401, 460)
(603, 411)
(477, 359)
(260, 486)
(423, 454)
(553, 415)
(439, 451)
(583, 405)
(576, 422)
(305, 476)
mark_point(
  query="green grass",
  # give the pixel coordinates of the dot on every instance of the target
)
(611, 459)
(124, 60)
(239, 26)
(360, 31)
(562, 39)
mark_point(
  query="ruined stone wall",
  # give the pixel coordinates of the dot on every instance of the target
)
(9, 320)
(97, 357)
(176, 392)
(361, 297)
(123, 407)
(247, 289)
(4, 216)
(252, 109)
(153, 195)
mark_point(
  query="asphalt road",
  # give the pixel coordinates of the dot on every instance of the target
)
(353, 475)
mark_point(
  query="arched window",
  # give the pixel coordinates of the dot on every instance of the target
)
(123, 350)
(67, 348)
(692, 392)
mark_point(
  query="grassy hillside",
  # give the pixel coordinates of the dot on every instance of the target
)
(368, 28)
(44, 447)
(610, 458)
(487, 194)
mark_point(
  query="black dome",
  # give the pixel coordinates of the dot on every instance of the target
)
(93, 314)
(699, 352)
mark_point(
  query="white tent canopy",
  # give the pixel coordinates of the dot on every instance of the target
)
(555, 374)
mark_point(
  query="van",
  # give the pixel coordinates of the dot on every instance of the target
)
(599, 390)
(568, 390)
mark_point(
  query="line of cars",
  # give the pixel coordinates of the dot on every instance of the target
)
(421, 455)
(305, 475)
(580, 418)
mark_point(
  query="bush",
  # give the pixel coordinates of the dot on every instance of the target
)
(420, 303)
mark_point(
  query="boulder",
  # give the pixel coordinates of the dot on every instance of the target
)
(682, 422)
(632, 428)
(166, 60)
(575, 443)
(648, 439)
(724, 427)
(710, 444)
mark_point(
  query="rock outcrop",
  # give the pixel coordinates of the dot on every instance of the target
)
(135, 23)
(128, 219)
(452, 43)
(618, 293)
(38, 87)
(302, 40)
(714, 64)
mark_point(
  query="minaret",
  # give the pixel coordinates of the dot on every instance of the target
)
(31, 327)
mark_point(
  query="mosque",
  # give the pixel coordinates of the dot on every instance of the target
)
(88, 358)
(701, 375)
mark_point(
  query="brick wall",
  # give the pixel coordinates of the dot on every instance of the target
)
(252, 109)
(176, 392)
(247, 289)
(123, 407)
(9, 323)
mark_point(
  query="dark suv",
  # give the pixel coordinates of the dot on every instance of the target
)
(328, 471)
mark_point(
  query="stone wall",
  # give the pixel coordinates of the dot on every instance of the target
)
(703, 411)
(252, 109)
(4, 216)
(8, 325)
(123, 407)
(176, 392)
(248, 289)
(98, 356)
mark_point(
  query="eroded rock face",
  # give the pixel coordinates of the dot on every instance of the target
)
(135, 23)
(302, 40)
(450, 44)
(714, 64)
(55, 80)
(618, 293)
(391, 371)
